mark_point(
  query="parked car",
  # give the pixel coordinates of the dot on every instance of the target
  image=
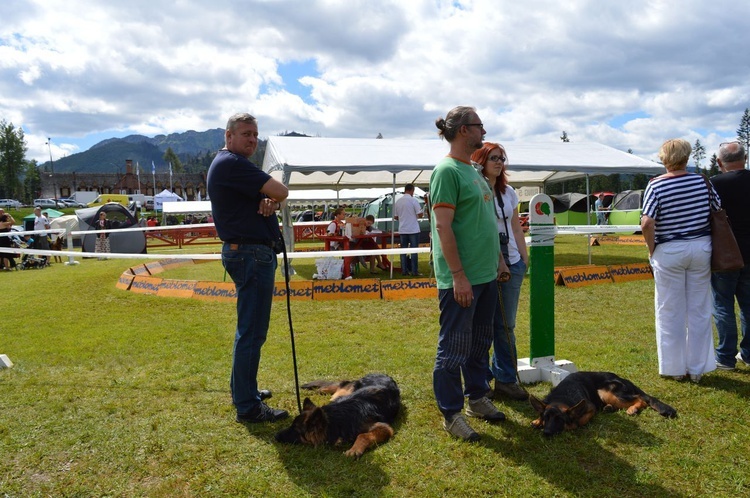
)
(45, 203)
(10, 204)
(72, 203)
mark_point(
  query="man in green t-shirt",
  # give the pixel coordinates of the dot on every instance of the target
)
(466, 253)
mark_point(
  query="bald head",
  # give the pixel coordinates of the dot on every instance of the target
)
(731, 156)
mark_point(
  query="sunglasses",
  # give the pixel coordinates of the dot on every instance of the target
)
(497, 159)
(722, 144)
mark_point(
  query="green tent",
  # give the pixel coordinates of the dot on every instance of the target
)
(572, 209)
(28, 221)
(626, 208)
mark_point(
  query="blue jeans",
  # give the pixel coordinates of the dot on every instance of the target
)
(409, 262)
(463, 348)
(727, 286)
(504, 356)
(252, 268)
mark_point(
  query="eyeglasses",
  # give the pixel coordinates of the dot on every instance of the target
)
(722, 144)
(481, 125)
(497, 159)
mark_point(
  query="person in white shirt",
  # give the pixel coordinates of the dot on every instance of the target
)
(40, 223)
(407, 212)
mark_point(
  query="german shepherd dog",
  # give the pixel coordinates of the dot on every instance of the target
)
(57, 245)
(575, 401)
(360, 412)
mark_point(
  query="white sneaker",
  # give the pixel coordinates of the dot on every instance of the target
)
(741, 360)
(484, 409)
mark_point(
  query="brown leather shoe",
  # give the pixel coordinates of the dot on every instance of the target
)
(510, 390)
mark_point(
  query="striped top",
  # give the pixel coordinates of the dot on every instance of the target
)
(680, 207)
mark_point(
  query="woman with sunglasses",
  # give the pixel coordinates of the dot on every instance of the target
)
(493, 161)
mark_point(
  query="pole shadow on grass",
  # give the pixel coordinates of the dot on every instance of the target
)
(575, 462)
(326, 471)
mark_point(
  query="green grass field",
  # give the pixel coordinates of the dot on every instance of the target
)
(122, 394)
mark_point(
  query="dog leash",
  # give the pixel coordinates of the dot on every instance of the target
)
(291, 327)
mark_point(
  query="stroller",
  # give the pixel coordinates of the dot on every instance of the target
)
(32, 261)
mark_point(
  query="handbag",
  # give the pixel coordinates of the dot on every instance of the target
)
(725, 252)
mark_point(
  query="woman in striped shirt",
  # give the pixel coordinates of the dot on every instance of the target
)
(678, 235)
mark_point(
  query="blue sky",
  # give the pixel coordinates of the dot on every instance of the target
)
(626, 74)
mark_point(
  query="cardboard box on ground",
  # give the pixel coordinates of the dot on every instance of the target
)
(355, 226)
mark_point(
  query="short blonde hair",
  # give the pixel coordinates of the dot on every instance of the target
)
(674, 154)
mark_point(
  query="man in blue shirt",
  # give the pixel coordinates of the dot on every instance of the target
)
(244, 200)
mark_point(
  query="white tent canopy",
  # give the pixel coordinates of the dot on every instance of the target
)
(318, 163)
(165, 197)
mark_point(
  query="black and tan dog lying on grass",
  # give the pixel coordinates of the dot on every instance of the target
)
(577, 398)
(360, 412)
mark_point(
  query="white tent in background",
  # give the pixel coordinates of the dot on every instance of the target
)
(165, 196)
(338, 163)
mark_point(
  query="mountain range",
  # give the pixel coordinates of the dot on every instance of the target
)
(108, 156)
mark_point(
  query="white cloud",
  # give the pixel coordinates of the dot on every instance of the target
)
(76, 68)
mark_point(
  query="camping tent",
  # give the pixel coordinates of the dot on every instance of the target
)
(626, 208)
(165, 196)
(573, 209)
(128, 242)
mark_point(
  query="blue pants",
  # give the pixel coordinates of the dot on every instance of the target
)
(409, 262)
(504, 356)
(252, 268)
(463, 348)
(727, 286)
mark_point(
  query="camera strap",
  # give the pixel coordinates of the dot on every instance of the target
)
(500, 201)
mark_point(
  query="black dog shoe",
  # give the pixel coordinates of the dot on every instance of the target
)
(263, 413)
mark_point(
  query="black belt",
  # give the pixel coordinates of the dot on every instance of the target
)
(257, 242)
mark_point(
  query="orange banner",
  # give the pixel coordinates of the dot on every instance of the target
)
(145, 285)
(409, 288)
(589, 275)
(214, 291)
(124, 281)
(176, 288)
(631, 272)
(298, 291)
(367, 288)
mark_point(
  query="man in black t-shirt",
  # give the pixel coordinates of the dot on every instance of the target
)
(244, 200)
(733, 186)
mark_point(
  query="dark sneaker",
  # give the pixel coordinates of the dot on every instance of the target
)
(265, 394)
(458, 427)
(484, 409)
(510, 390)
(263, 413)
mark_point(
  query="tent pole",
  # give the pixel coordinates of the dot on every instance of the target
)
(588, 212)
(393, 206)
